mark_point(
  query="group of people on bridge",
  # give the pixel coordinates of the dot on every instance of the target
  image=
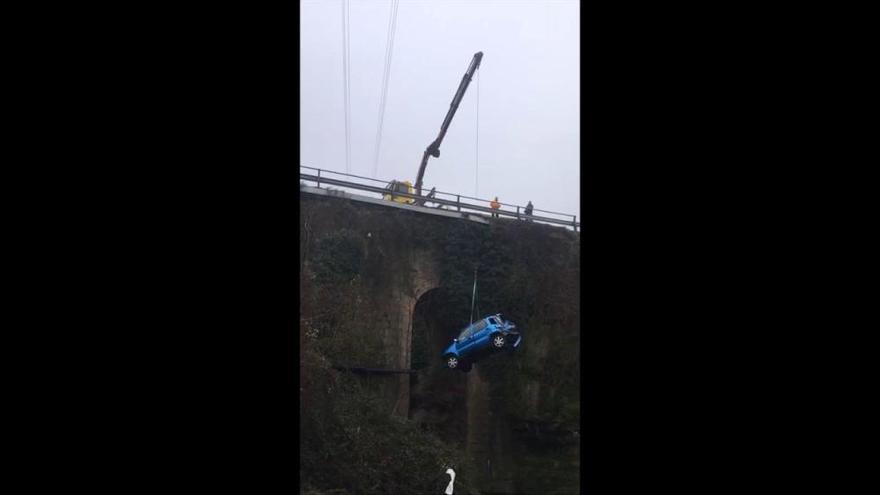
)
(496, 206)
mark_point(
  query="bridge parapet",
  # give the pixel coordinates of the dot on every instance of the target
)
(440, 199)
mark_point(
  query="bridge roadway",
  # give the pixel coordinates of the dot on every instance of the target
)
(462, 209)
(392, 204)
(437, 210)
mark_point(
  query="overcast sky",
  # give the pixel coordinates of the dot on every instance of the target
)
(527, 88)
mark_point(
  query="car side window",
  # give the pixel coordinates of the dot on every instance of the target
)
(494, 321)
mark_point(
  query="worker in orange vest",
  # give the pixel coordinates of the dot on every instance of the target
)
(495, 205)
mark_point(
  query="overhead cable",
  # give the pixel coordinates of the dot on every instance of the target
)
(386, 76)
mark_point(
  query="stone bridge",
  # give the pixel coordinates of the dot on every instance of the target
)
(392, 286)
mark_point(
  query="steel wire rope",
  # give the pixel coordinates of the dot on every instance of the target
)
(474, 296)
(348, 76)
(477, 157)
(386, 77)
(345, 82)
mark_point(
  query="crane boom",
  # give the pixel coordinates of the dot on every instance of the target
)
(434, 148)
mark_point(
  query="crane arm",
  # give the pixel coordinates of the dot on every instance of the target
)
(434, 148)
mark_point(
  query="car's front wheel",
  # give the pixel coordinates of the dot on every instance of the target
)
(452, 362)
(498, 341)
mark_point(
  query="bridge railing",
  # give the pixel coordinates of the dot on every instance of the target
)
(441, 200)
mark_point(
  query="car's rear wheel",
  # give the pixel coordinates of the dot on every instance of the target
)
(498, 341)
(452, 362)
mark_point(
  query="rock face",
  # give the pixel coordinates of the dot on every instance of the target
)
(383, 287)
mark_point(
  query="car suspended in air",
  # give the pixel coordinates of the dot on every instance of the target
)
(485, 336)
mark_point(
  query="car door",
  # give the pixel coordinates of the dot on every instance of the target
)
(486, 334)
(479, 338)
(467, 343)
(461, 342)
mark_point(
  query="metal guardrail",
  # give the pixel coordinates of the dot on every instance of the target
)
(457, 203)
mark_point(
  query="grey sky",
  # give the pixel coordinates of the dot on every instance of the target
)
(529, 135)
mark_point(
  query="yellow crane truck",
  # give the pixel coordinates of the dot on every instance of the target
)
(433, 148)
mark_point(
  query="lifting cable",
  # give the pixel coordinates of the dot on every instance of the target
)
(474, 296)
(476, 190)
(346, 78)
(477, 157)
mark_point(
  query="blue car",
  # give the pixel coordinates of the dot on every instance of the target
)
(489, 334)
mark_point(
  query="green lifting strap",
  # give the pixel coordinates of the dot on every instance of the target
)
(474, 296)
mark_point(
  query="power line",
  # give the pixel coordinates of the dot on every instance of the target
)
(382, 89)
(386, 76)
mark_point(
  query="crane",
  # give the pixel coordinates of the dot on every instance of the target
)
(433, 149)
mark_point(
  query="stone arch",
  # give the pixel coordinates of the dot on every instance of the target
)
(433, 323)
(423, 278)
(437, 395)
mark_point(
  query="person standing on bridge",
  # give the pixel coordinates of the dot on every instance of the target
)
(495, 206)
(529, 209)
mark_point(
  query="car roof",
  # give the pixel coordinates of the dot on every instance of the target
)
(481, 319)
